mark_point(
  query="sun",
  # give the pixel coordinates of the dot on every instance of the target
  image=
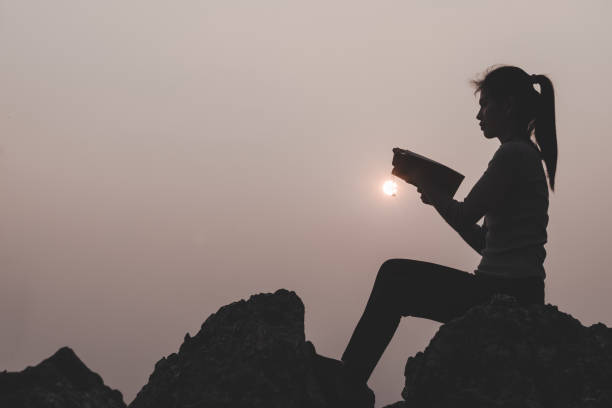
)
(390, 188)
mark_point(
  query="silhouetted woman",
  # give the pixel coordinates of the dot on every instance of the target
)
(512, 195)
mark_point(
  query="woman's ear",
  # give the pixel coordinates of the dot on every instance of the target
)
(509, 106)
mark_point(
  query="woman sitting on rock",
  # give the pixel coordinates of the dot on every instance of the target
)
(512, 195)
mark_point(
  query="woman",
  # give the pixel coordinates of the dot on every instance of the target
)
(512, 195)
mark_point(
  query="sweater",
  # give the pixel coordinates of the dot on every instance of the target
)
(512, 195)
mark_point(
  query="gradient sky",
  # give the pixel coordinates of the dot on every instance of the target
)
(159, 160)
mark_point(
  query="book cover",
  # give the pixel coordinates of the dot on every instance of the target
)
(420, 170)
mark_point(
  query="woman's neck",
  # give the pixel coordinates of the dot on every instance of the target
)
(512, 135)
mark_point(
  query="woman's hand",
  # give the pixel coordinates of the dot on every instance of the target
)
(424, 197)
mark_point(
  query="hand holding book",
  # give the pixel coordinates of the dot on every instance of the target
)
(424, 198)
(425, 173)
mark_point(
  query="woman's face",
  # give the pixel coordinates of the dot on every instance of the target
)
(492, 117)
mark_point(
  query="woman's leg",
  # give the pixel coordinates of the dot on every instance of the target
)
(405, 287)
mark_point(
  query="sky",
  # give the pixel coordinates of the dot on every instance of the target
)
(159, 160)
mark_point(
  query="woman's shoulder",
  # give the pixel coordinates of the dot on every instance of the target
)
(522, 159)
(516, 157)
(517, 149)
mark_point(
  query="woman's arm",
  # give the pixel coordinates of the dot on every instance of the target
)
(487, 193)
(475, 237)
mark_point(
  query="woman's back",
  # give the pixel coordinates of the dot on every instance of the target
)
(516, 228)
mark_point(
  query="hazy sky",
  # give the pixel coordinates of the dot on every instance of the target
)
(159, 160)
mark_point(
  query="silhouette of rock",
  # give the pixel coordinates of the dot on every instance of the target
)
(61, 381)
(254, 354)
(501, 354)
(249, 354)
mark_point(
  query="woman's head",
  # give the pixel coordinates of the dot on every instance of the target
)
(510, 105)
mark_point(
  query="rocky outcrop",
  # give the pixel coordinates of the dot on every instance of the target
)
(61, 381)
(254, 354)
(501, 354)
(249, 354)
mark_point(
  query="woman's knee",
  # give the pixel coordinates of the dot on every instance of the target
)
(396, 269)
(395, 284)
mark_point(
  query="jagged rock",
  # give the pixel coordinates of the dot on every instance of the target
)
(61, 381)
(249, 354)
(504, 355)
(254, 354)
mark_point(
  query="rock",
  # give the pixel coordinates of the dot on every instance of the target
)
(61, 381)
(249, 354)
(501, 354)
(254, 354)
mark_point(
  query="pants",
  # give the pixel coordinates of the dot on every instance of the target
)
(405, 287)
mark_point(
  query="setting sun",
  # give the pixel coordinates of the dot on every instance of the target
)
(390, 188)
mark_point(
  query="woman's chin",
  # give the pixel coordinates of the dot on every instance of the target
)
(487, 135)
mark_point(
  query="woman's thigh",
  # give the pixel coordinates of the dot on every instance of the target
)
(428, 290)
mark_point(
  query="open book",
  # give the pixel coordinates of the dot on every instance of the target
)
(419, 170)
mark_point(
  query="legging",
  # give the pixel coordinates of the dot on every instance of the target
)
(405, 287)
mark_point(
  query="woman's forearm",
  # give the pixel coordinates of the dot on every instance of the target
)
(451, 211)
(442, 202)
(474, 236)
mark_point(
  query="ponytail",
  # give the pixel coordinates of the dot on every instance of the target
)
(545, 128)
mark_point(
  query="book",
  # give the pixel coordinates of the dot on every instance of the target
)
(419, 171)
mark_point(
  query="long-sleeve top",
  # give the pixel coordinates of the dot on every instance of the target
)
(512, 195)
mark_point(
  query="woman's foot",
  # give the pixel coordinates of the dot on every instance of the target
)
(340, 385)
